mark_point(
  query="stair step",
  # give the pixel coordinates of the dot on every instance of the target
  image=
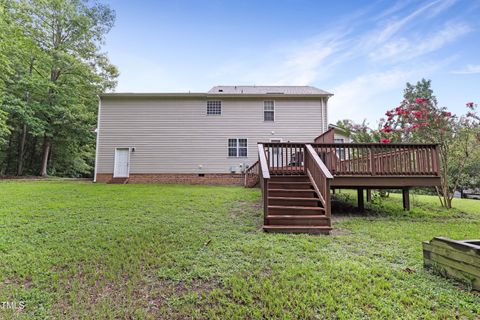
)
(293, 210)
(290, 178)
(289, 185)
(298, 229)
(298, 220)
(298, 193)
(298, 216)
(293, 201)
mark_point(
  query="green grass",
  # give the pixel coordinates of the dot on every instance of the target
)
(95, 251)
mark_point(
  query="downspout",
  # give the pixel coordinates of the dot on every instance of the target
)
(98, 138)
(326, 113)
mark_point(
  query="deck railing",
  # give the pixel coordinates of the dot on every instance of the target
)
(285, 158)
(264, 176)
(375, 159)
(251, 175)
(365, 159)
(319, 175)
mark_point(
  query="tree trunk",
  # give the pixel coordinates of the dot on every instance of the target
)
(33, 155)
(8, 158)
(21, 150)
(23, 137)
(45, 154)
(449, 202)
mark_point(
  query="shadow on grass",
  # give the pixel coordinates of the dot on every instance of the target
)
(344, 205)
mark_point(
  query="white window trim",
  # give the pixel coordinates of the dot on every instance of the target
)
(238, 148)
(274, 111)
(214, 115)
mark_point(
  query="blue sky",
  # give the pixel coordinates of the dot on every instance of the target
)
(362, 51)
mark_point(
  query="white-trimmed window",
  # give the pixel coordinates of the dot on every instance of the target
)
(237, 147)
(214, 108)
(269, 110)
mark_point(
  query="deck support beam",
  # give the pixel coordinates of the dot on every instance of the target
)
(361, 204)
(369, 195)
(406, 199)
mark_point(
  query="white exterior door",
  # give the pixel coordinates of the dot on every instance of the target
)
(122, 158)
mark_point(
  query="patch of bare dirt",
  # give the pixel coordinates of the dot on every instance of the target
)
(155, 297)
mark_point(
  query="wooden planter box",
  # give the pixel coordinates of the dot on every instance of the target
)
(454, 259)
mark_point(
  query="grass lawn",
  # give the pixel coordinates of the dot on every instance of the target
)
(96, 251)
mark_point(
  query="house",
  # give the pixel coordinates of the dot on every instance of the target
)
(205, 138)
(277, 136)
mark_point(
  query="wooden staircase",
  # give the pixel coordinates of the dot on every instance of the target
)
(294, 207)
(296, 194)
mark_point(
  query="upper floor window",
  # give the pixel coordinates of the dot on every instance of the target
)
(214, 108)
(268, 110)
(339, 140)
(237, 147)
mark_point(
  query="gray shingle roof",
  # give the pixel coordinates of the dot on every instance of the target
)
(289, 90)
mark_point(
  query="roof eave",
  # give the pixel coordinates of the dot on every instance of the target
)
(209, 95)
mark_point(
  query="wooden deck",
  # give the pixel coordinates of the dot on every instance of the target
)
(325, 166)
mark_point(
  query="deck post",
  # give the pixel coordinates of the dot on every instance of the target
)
(333, 190)
(361, 204)
(406, 199)
(369, 195)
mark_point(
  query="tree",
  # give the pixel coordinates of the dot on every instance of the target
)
(56, 70)
(359, 132)
(418, 118)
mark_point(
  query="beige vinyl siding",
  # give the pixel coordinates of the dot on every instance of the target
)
(342, 136)
(176, 136)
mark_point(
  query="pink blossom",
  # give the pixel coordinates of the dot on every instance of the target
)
(447, 114)
(470, 105)
(415, 126)
(417, 114)
(420, 100)
(386, 128)
(385, 140)
(423, 124)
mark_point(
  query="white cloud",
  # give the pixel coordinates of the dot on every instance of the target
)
(358, 99)
(391, 26)
(407, 48)
(294, 64)
(310, 61)
(469, 69)
(354, 99)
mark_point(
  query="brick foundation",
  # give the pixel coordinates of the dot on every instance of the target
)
(179, 178)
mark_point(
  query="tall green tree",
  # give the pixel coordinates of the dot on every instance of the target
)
(57, 71)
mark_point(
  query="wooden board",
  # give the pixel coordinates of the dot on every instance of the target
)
(455, 259)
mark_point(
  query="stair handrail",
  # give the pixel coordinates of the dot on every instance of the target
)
(319, 175)
(262, 159)
(252, 171)
(264, 175)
